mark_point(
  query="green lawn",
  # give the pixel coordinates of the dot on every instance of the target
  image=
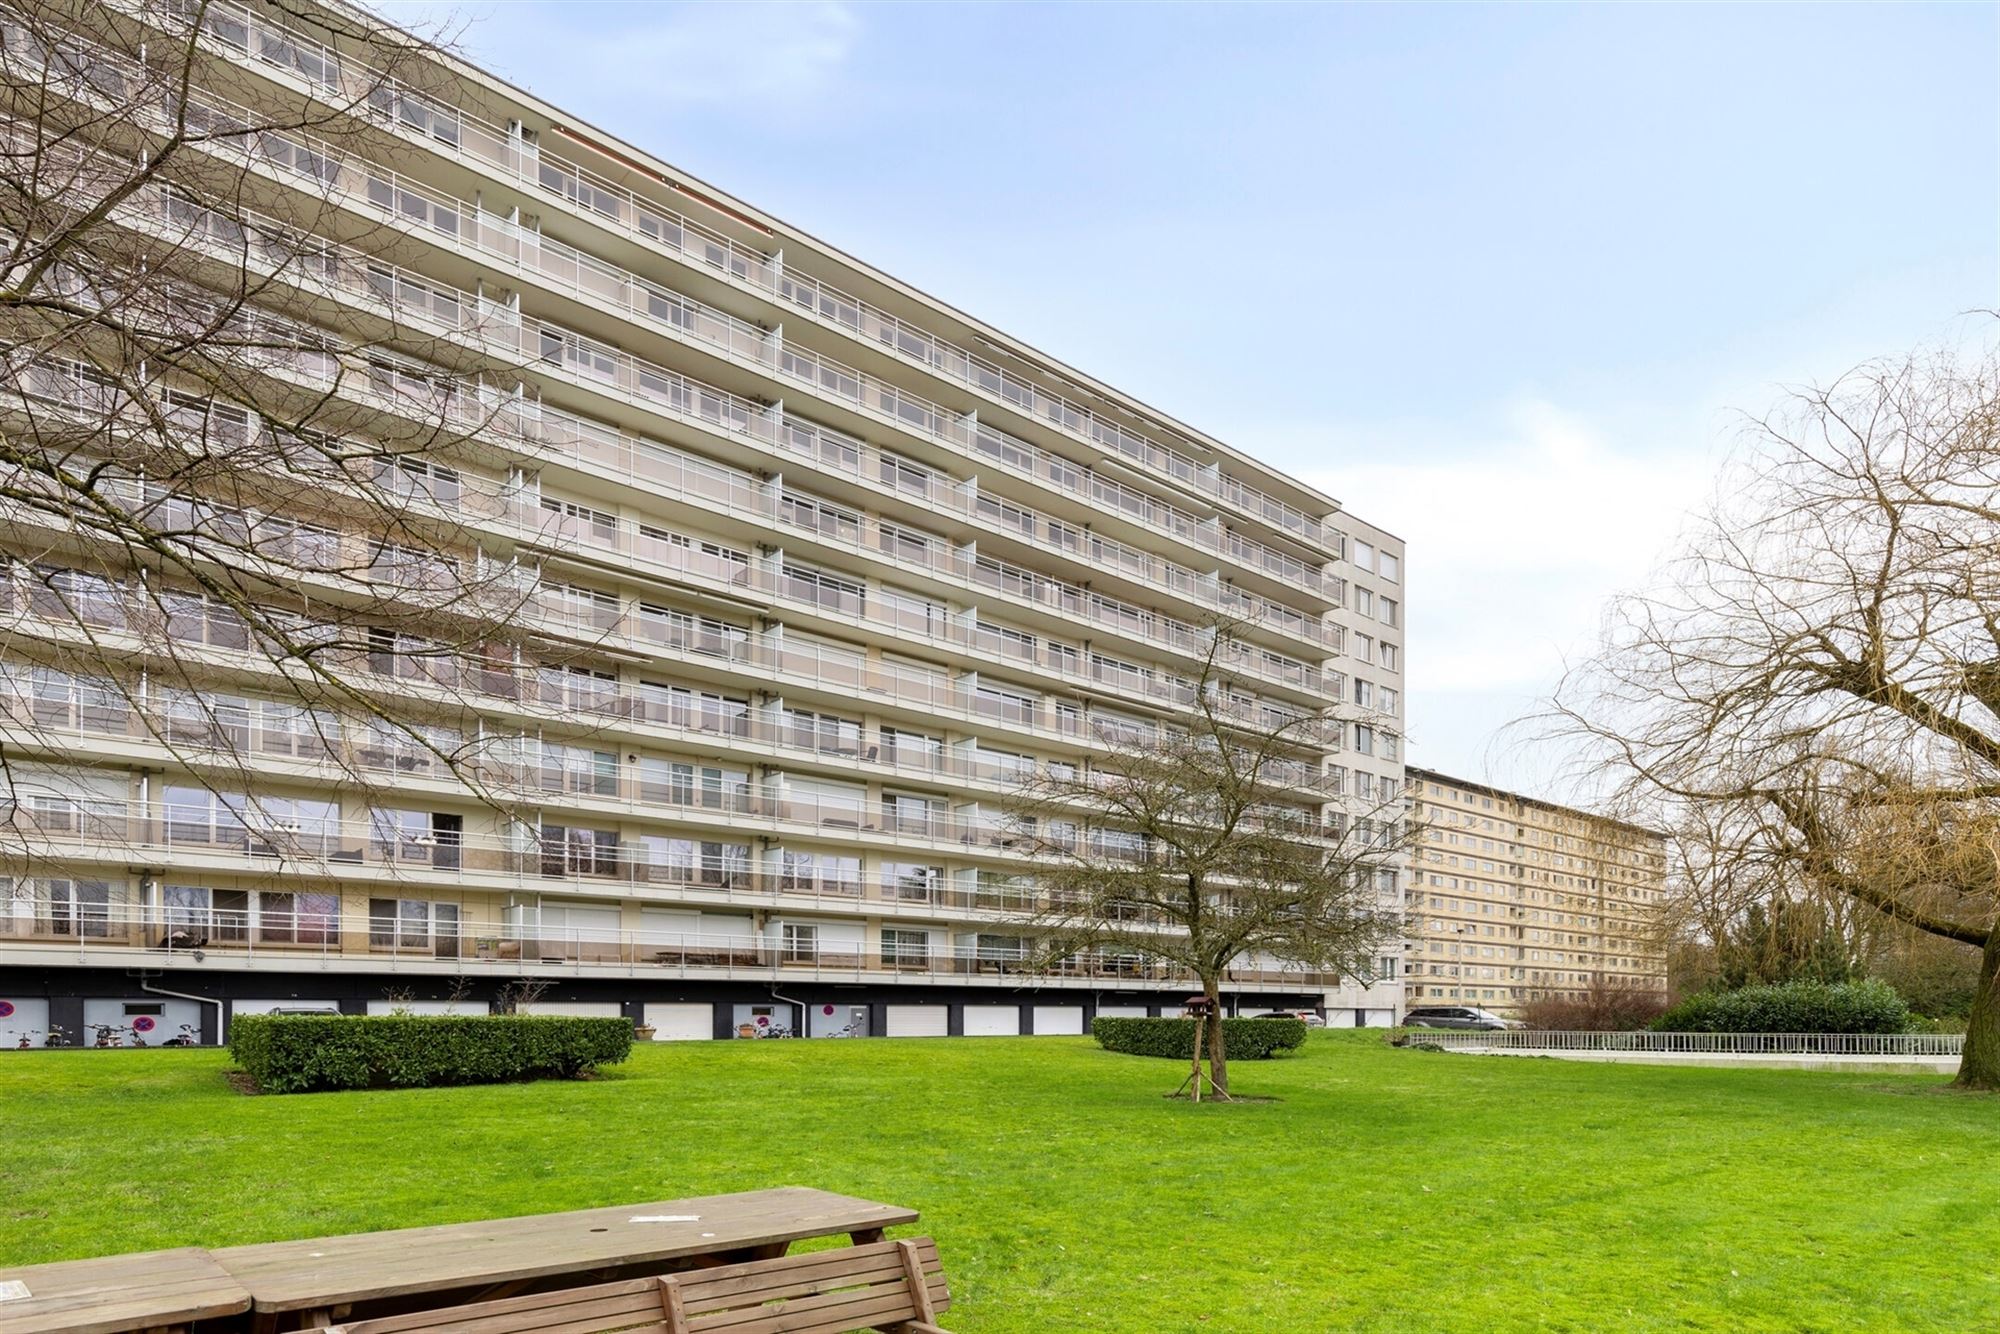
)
(1385, 1190)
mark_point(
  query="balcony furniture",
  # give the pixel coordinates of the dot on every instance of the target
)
(885, 1285)
(150, 1290)
(302, 1284)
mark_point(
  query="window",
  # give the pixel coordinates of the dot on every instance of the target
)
(1391, 567)
(801, 942)
(570, 851)
(910, 882)
(297, 919)
(824, 590)
(905, 949)
(823, 732)
(1388, 611)
(1391, 657)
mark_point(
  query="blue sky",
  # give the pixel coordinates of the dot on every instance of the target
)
(1495, 277)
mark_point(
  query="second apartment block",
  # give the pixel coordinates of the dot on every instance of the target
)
(1513, 899)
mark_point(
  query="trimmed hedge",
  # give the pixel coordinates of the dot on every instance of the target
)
(315, 1053)
(1791, 1007)
(1242, 1039)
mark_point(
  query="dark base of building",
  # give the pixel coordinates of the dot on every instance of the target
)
(155, 1007)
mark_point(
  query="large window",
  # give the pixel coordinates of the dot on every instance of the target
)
(567, 850)
(905, 949)
(297, 918)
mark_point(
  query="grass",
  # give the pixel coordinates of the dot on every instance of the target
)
(1383, 1190)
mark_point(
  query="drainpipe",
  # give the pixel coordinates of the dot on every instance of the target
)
(150, 989)
(804, 1018)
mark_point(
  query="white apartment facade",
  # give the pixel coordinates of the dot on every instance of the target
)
(838, 565)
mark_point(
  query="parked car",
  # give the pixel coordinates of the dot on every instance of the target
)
(1456, 1016)
(1310, 1019)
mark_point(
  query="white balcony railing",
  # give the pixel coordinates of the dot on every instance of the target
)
(170, 936)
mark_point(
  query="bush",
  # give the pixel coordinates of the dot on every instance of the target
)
(315, 1053)
(1791, 1007)
(1242, 1039)
(1602, 1008)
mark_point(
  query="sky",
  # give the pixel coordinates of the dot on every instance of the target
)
(1500, 279)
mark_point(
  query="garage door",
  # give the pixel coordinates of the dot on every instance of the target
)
(266, 1006)
(677, 1022)
(918, 1021)
(1122, 1011)
(30, 1017)
(992, 1021)
(575, 1009)
(1058, 1019)
(426, 1007)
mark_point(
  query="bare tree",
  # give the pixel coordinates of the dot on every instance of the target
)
(236, 438)
(1821, 675)
(1190, 845)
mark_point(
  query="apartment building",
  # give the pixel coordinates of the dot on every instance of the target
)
(834, 566)
(1512, 899)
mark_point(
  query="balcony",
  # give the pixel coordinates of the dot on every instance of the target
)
(409, 203)
(185, 939)
(732, 491)
(452, 132)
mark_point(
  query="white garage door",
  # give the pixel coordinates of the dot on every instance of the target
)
(918, 1021)
(266, 1006)
(1122, 1011)
(1058, 1019)
(426, 1007)
(576, 1009)
(30, 1017)
(992, 1021)
(677, 1022)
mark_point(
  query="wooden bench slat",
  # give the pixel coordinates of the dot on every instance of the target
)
(820, 1292)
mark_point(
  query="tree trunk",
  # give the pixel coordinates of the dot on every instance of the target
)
(1979, 1067)
(1218, 1054)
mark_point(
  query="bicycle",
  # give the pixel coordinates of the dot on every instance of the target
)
(56, 1037)
(107, 1035)
(187, 1037)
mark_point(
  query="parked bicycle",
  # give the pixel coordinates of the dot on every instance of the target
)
(187, 1037)
(107, 1035)
(57, 1037)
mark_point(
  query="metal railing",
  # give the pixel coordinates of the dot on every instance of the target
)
(301, 935)
(461, 224)
(732, 491)
(1728, 1044)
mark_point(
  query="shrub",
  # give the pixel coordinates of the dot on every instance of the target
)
(1242, 1039)
(1602, 1008)
(1791, 1007)
(315, 1053)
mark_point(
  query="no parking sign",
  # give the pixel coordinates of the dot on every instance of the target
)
(6, 1009)
(143, 1024)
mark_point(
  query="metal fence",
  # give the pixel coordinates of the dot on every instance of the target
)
(1727, 1044)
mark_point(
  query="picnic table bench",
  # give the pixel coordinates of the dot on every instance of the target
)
(890, 1285)
(117, 1293)
(294, 1284)
(303, 1283)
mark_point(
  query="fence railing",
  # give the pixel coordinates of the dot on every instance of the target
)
(1724, 1044)
(299, 933)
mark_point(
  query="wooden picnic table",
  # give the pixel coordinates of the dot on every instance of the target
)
(306, 1283)
(114, 1294)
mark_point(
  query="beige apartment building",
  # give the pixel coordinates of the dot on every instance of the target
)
(835, 566)
(1512, 899)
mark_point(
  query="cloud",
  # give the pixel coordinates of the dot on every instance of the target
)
(1513, 549)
